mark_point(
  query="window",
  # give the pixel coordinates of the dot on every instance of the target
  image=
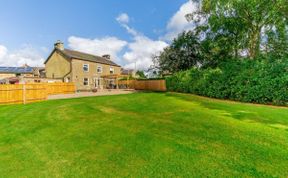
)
(86, 67)
(99, 69)
(86, 81)
(111, 70)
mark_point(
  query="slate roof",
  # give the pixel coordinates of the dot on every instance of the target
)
(84, 56)
(16, 70)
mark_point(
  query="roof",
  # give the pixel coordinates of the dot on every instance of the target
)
(83, 56)
(16, 70)
(127, 71)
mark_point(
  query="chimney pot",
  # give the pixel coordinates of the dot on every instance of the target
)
(59, 45)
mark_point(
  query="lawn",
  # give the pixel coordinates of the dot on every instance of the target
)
(143, 135)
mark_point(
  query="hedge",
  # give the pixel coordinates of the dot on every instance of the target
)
(255, 81)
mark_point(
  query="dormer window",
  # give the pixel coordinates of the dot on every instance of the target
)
(86, 67)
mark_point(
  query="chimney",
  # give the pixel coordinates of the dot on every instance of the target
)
(59, 45)
(107, 56)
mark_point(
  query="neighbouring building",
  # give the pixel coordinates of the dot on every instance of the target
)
(85, 70)
(128, 72)
(12, 75)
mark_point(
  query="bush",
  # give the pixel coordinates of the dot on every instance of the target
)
(255, 81)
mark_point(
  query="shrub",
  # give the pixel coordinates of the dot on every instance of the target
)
(256, 81)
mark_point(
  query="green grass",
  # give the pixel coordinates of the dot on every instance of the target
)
(143, 135)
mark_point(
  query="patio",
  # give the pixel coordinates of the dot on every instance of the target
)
(89, 94)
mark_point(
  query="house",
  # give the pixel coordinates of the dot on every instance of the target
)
(6, 72)
(14, 75)
(85, 70)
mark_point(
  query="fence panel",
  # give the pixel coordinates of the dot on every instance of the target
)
(152, 85)
(60, 88)
(11, 94)
(140, 85)
(34, 93)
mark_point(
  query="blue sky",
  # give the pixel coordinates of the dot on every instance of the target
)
(29, 28)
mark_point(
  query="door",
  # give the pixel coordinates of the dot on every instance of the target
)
(97, 83)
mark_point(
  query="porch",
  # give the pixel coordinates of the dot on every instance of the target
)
(111, 82)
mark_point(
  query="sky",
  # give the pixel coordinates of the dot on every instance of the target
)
(130, 31)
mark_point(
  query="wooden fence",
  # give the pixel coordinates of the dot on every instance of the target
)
(60, 88)
(150, 85)
(28, 93)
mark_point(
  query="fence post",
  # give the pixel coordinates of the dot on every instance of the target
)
(24, 93)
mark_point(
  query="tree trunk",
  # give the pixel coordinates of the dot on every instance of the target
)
(254, 43)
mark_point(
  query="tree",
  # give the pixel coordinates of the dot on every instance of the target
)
(244, 24)
(182, 54)
(141, 74)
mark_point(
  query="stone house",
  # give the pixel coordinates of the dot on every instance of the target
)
(85, 70)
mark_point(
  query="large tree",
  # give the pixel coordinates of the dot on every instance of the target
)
(182, 54)
(244, 24)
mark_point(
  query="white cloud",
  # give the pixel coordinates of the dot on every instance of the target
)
(123, 18)
(141, 49)
(3, 51)
(178, 22)
(131, 30)
(107, 45)
(25, 55)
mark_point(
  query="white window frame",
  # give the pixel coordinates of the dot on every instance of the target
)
(101, 69)
(113, 71)
(87, 67)
(87, 81)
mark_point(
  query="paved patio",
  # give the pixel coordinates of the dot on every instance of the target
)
(89, 94)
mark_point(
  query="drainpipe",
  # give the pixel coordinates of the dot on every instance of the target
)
(69, 72)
